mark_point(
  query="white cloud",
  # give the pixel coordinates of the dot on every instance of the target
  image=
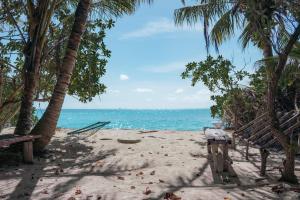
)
(204, 92)
(114, 91)
(143, 90)
(166, 68)
(124, 77)
(163, 25)
(179, 91)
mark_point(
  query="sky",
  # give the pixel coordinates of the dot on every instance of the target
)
(148, 55)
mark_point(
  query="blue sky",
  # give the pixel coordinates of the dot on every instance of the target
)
(148, 55)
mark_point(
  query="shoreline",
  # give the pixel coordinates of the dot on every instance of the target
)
(133, 129)
(9, 129)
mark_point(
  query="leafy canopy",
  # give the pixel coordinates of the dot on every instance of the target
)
(219, 76)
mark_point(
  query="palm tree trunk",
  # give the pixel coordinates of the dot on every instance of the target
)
(1, 89)
(1, 83)
(288, 173)
(31, 66)
(297, 95)
(47, 124)
(38, 20)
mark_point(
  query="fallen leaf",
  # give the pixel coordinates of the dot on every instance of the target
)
(78, 191)
(152, 173)
(57, 172)
(140, 173)
(171, 196)
(278, 188)
(147, 191)
(45, 192)
(161, 181)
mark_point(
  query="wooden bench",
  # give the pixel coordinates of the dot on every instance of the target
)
(218, 139)
(8, 139)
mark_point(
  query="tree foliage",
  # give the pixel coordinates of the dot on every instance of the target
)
(220, 77)
(15, 29)
(272, 26)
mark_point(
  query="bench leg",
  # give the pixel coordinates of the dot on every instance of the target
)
(225, 157)
(208, 148)
(247, 150)
(28, 152)
(215, 156)
(220, 161)
(264, 156)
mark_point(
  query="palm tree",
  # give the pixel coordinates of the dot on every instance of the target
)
(38, 19)
(47, 124)
(261, 22)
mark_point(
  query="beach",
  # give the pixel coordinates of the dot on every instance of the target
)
(103, 165)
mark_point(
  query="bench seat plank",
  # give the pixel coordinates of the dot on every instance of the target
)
(8, 139)
(217, 136)
(218, 139)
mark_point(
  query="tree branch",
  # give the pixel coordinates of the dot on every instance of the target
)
(42, 100)
(14, 21)
(8, 102)
(12, 66)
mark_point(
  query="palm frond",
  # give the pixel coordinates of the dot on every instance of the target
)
(246, 35)
(224, 28)
(116, 8)
(207, 12)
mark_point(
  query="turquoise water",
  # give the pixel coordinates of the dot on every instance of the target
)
(187, 119)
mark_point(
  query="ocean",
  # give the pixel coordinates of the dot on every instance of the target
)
(183, 119)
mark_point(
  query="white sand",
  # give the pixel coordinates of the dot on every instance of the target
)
(99, 167)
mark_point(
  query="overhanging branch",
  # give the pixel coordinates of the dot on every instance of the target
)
(14, 21)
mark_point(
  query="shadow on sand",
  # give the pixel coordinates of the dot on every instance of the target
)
(70, 155)
(64, 155)
(229, 182)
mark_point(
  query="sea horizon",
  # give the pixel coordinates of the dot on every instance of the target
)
(129, 108)
(189, 119)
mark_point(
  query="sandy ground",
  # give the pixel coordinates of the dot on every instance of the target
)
(99, 167)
